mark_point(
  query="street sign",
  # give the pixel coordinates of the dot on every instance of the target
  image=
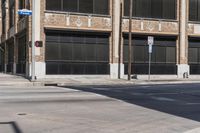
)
(150, 40)
(150, 48)
(25, 12)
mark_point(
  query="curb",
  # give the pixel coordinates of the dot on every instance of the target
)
(87, 82)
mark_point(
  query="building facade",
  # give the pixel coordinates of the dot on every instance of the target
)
(90, 37)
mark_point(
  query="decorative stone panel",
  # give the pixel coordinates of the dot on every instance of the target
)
(193, 29)
(151, 26)
(61, 20)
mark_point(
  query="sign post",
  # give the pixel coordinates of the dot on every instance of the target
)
(150, 43)
(27, 12)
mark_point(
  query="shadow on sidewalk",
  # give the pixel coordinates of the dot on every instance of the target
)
(181, 100)
(13, 125)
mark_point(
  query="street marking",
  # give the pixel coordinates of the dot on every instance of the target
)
(192, 103)
(163, 99)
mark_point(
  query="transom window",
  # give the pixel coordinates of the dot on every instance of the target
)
(81, 6)
(194, 10)
(162, 9)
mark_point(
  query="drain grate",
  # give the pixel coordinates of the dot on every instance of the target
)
(49, 84)
(21, 114)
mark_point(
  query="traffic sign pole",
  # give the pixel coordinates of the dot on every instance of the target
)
(150, 43)
(27, 12)
(149, 77)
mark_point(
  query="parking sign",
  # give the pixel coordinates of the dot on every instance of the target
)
(150, 40)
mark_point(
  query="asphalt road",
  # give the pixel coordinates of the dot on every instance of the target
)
(101, 109)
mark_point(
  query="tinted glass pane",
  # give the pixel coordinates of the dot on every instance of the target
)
(77, 52)
(169, 9)
(156, 8)
(52, 51)
(78, 38)
(65, 68)
(90, 68)
(171, 54)
(140, 6)
(91, 39)
(53, 5)
(53, 37)
(102, 52)
(86, 6)
(160, 54)
(52, 68)
(63, 38)
(78, 68)
(101, 6)
(66, 51)
(70, 5)
(125, 55)
(193, 55)
(89, 51)
(139, 53)
(126, 7)
(102, 39)
(193, 10)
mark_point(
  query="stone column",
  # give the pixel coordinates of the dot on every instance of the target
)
(114, 64)
(40, 67)
(183, 67)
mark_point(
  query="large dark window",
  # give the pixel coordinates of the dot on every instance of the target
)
(10, 57)
(163, 55)
(11, 13)
(77, 53)
(162, 9)
(81, 6)
(194, 55)
(3, 8)
(21, 64)
(2, 59)
(194, 10)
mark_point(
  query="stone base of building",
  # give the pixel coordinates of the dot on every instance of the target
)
(5, 68)
(114, 70)
(14, 68)
(40, 70)
(183, 70)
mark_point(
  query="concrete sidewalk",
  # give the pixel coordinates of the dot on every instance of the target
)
(13, 80)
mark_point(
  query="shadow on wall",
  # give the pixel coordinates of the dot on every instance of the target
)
(181, 100)
(13, 125)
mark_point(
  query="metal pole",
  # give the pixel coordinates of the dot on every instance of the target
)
(130, 40)
(120, 34)
(149, 78)
(33, 42)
